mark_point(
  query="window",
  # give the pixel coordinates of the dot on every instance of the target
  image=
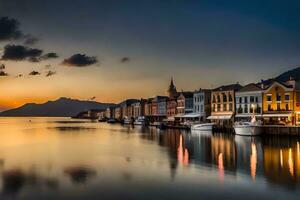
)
(214, 99)
(246, 108)
(256, 99)
(251, 99)
(278, 106)
(202, 108)
(230, 107)
(240, 100)
(287, 97)
(278, 97)
(287, 107)
(224, 97)
(245, 99)
(230, 97)
(258, 109)
(269, 107)
(219, 107)
(240, 109)
(219, 99)
(224, 107)
(269, 97)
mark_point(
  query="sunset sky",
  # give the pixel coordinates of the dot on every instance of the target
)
(117, 49)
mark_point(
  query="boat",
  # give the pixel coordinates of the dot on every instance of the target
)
(139, 121)
(127, 120)
(252, 128)
(203, 126)
(111, 121)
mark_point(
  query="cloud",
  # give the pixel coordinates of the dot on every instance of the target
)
(80, 60)
(50, 73)
(34, 73)
(19, 52)
(49, 56)
(3, 73)
(9, 29)
(125, 60)
(30, 39)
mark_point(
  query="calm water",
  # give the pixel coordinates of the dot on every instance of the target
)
(58, 158)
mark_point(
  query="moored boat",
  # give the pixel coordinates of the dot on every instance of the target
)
(203, 126)
(139, 121)
(252, 128)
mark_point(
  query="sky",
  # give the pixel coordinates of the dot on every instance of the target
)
(109, 50)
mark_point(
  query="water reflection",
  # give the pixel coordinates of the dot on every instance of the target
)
(80, 174)
(122, 160)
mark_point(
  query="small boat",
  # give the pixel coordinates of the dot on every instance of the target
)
(248, 128)
(203, 126)
(111, 121)
(139, 121)
(128, 120)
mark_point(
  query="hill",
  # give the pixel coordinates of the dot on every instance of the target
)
(62, 107)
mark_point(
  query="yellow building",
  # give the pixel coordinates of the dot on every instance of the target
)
(281, 103)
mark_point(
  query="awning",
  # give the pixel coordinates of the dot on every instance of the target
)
(277, 115)
(220, 117)
(192, 115)
(249, 115)
(169, 119)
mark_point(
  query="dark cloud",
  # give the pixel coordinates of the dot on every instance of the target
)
(50, 73)
(80, 60)
(34, 73)
(80, 174)
(30, 39)
(2, 66)
(3, 73)
(19, 52)
(9, 29)
(125, 59)
(49, 56)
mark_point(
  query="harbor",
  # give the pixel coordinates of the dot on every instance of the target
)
(273, 105)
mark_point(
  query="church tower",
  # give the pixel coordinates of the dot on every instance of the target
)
(172, 92)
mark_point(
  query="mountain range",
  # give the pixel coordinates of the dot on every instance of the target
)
(62, 107)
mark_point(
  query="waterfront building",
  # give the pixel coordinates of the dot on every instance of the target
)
(248, 101)
(185, 103)
(171, 108)
(148, 107)
(118, 113)
(110, 113)
(126, 108)
(202, 104)
(223, 104)
(159, 108)
(281, 103)
(138, 108)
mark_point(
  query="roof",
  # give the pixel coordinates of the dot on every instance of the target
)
(160, 98)
(234, 87)
(202, 90)
(250, 87)
(128, 102)
(187, 94)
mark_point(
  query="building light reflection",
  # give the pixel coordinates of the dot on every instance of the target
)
(253, 160)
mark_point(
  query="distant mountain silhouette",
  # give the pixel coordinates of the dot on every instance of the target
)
(294, 73)
(62, 107)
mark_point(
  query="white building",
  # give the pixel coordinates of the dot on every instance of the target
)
(248, 101)
(202, 103)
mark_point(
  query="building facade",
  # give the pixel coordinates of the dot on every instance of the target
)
(223, 104)
(281, 103)
(185, 103)
(202, 104)
(248, 102)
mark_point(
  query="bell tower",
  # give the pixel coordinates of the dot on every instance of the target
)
(172, 92)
